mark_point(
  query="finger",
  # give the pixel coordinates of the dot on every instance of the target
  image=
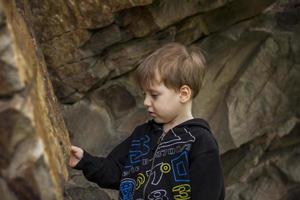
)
(74, 148)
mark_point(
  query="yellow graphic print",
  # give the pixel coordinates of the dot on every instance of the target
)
(165, 168)
(140, 180)
(182, 192)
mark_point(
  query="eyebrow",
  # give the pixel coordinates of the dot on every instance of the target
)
(152, 90)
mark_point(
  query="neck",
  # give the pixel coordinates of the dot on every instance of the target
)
(187, 115)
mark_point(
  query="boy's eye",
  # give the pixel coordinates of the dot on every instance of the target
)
(154, 95)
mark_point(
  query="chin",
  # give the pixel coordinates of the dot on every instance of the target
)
(156, 120)
(160, 121)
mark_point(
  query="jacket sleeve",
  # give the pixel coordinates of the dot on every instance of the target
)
(205, 169)
(106, 172)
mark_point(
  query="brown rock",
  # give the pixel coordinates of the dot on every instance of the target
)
(125, 57)
(84, 74)
(64, 16)
(104, 38)
(137, 21)
(65, 93)
(117, 5)
(167, 12)
(5, 191)
(116, 98)
(130, 121)
(190, 30)
(90, 15)
(250, 96)
(232, 13)
(34, 139)
(10, 80)
(66, 48)
(16, 129)
(267, 102)
(96, 14)
(91, 193)
(89, 126)
(222, 71)
(49, 19)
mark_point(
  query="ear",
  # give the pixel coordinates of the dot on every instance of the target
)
(185, 93)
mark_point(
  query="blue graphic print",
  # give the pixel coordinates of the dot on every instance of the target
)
(126, 189)
(179, 167)
(138, 149)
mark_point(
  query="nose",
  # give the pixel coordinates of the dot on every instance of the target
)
(147, 101)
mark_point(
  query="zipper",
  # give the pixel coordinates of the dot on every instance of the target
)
(160, 139)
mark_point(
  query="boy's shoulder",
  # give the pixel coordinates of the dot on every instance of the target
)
(198, 127)
(204, 138)
(201, 130)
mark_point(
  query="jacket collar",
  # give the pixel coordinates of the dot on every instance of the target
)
(158, 127)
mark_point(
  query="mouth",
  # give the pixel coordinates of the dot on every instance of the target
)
(151, 113)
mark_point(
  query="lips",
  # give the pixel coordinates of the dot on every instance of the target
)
(151, 113)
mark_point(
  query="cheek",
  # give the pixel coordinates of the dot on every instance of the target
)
(165, 106)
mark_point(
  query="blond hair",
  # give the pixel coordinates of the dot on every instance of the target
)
(175, 65)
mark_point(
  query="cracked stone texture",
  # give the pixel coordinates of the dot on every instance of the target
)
(117, 35)
(250, 95)
(34, 142)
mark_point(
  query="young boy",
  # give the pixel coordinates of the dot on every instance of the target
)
(172, 156)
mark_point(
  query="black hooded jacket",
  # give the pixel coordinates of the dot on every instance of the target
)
(183, 163)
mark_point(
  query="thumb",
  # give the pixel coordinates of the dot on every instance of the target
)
(76, 151)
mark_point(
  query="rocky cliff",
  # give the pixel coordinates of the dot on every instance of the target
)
(250, 96)
(34, 141)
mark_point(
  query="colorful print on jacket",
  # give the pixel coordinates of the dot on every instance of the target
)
(181, 164)
(158, 171)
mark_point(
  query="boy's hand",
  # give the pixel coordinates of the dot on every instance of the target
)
(75, 155)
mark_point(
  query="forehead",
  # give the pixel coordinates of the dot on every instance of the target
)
(152, 81)
(153, 86)
(159, 87)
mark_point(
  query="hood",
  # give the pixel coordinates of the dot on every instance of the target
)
(158, 127)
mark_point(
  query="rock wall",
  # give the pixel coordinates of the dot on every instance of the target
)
(250, 96)
(251, 91)
(34, 141)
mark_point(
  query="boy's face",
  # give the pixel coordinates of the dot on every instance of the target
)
(162, 103)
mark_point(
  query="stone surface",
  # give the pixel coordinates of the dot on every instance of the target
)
(167, 12)
(64, 49)
(91, 193)
(138, 21)
(79, 31)
(34, 141)
(253, 108)
(269, 63)
(91, 131)
(233, 12)
(116, 99)
(9, 81)
(104, 38)
(250, 95)
(83, 74)
(55, 18)
(126, 56)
